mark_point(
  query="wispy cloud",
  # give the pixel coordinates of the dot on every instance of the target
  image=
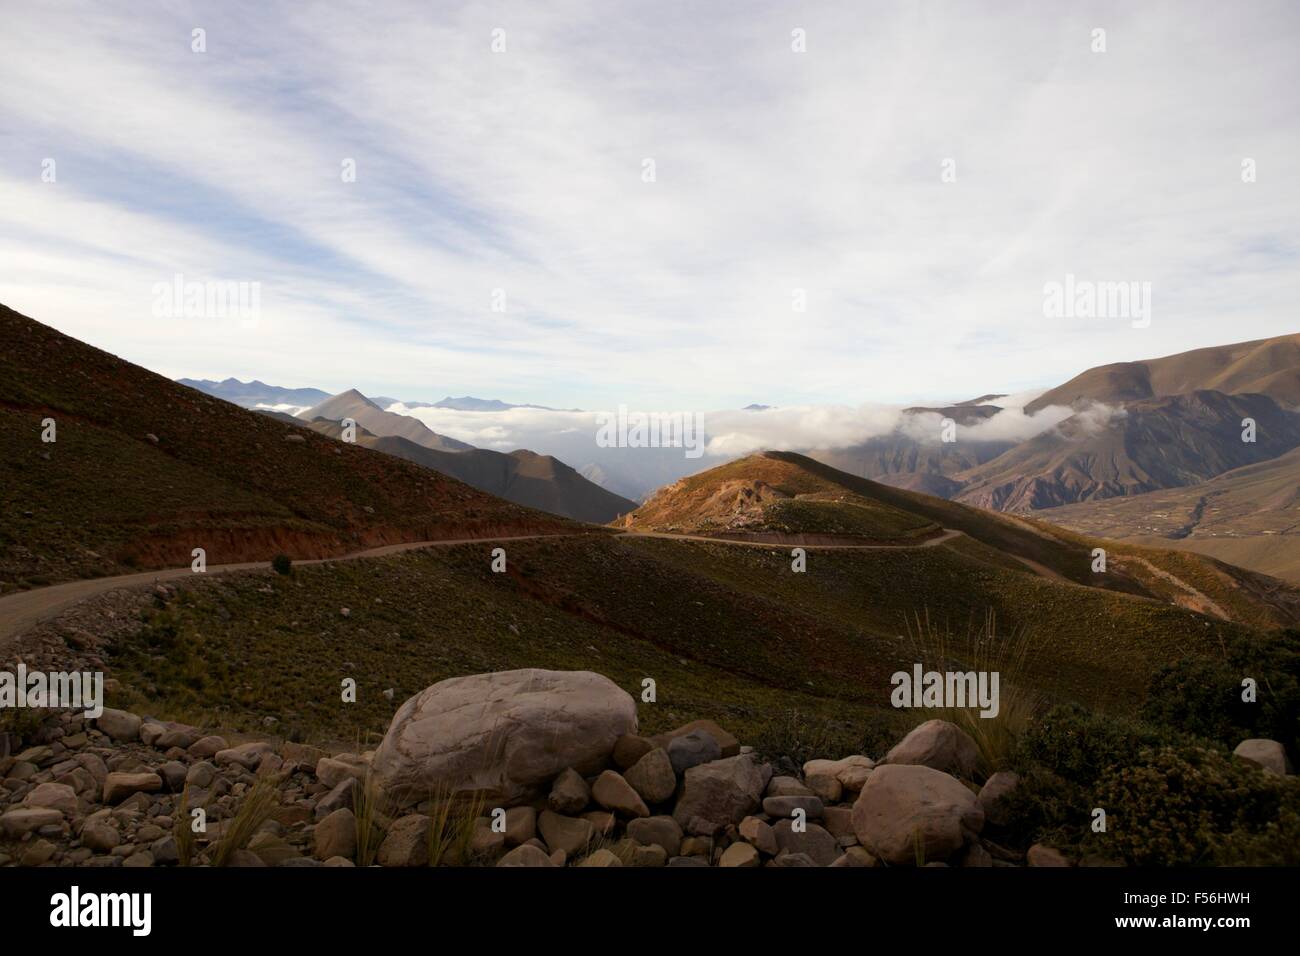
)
(778, 175)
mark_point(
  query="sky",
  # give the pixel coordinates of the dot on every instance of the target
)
(911, 174)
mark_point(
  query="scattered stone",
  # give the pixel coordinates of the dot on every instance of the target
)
(1265, 753)
(565, 833)
(721, 792)
(652, 776)
(569, 793)
(206, 747)
(99, 837)
(16, 823)
(615, 794)
(993, 796)
(661, 831)
(729, 745)
(910, 811)
(119, 786)
(630, 748)
(760, 834)
(336, 835)
(786, 806)
(1040, 855)
(53, 796)
(813, 840)
(939, 745)
(406, 843)
(521, 825)
(691, 750)
(119, 725)
(525, 855)
(739, 855)
(602, 857)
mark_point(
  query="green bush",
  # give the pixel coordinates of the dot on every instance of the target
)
(1182, 806)
(281, 564)
(1078, 745)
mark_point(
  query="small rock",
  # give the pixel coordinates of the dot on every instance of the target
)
(739, 855)
(569, 793)
(614, 793)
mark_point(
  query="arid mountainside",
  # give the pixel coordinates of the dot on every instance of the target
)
(1249, 516)
(1266, 366)
(1155, 453)
(352, 404)
(526, 478)
(1144, 446)
(143, 470)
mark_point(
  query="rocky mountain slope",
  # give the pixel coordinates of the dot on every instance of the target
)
(143, 470)
(1147, 445)
(1265, 366)
(521, 476)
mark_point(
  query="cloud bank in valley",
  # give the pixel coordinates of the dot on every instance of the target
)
(731, 433)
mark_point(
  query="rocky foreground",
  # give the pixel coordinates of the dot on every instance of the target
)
(519, 768)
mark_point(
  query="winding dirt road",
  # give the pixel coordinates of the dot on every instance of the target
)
(26, 609)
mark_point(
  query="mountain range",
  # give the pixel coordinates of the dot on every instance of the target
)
(1121, 431)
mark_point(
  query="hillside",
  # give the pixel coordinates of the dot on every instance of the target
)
(1266, 366)
(1156, 443)
(526, 478)
(782, 497)
(1249, 516)
(144, 470)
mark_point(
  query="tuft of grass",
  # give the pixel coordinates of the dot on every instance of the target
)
(452, 818)
(366, 810)
(984, 649)
(183, 829)
(256, 809)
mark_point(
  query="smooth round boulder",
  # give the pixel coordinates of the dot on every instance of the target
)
(906, 811)
(507, 733)
(939, 745)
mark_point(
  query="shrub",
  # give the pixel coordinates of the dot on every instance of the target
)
(1079, 745)
(281, 564)
(1203, 697)
(1179, 806)
(791, 738)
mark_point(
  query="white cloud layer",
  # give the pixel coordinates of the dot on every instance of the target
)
(776, 171)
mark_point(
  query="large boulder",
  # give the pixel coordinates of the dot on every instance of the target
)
(995, 794)
(1265, 753)
(905, 810)
(939, 745)
(720, 792)
(506, 733)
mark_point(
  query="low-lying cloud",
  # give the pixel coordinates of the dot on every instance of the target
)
(731, 433)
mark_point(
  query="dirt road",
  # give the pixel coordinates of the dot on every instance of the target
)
(25, 609)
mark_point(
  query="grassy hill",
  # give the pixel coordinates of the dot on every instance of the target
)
(753, 497)
(725, 631)
(144, 470)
